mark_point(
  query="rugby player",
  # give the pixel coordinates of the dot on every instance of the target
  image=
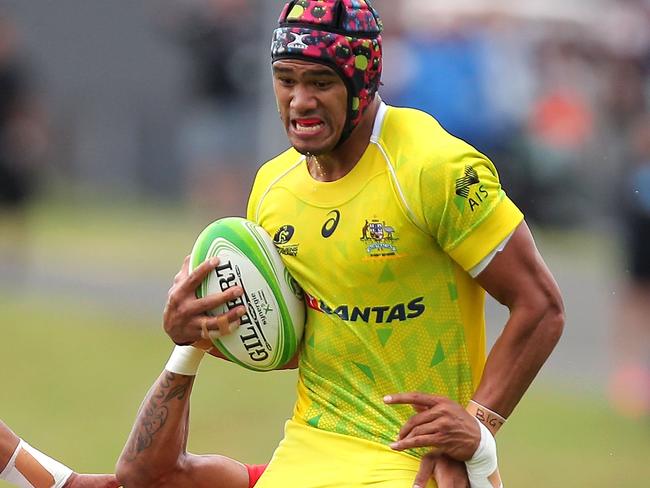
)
(395, 229)
(26, 467)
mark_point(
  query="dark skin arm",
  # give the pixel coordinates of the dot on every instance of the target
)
(447, 472)
(519, 279)
(156, 454)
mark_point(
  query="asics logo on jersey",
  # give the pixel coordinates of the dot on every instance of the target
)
(383, 314)
(463, 184)
(330, 225)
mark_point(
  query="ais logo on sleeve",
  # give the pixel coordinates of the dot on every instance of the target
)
(469, 190)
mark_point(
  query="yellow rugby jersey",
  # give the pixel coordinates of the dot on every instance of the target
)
(382, 256)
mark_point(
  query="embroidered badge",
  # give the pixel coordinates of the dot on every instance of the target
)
(379, 238)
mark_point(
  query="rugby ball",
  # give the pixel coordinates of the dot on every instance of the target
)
(272, 327)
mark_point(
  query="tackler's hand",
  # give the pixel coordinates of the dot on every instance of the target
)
(446, 472)
(186, 318)
(450, 473)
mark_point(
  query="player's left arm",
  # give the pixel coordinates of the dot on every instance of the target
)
(469, 215)
(516, 275)
(518, 278)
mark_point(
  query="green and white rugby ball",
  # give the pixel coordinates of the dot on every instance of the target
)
(272, 327)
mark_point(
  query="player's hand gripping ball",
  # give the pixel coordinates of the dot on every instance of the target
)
(272, 327)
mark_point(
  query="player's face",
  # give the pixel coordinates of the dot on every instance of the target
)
(312, 100)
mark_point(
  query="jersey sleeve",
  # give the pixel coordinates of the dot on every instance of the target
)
(465, 208)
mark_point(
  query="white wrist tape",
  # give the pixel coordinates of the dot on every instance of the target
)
(30, 468)
(484, 462)
(185, 360)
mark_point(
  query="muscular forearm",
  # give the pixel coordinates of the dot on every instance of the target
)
(157, 443)
(528, 339)
(519, 279)
(517, 356)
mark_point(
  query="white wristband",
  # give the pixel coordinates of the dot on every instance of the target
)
(484, 462)
(185, 360)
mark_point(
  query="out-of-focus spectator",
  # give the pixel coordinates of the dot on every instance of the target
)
(217, 132)
(623, 68)
(447, 81)
(557, 136)
(22, 146)
(630, 383)
(625, 139)
(533, 115)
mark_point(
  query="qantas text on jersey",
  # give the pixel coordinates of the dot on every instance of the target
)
(383, 314)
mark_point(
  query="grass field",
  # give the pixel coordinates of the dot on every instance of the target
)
(74, 376)
(73, 372)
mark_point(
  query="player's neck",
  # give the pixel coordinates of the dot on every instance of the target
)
(336, 164)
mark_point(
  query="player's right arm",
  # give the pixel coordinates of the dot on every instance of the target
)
(156, 454)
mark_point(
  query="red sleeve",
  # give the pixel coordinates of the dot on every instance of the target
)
(254, 473)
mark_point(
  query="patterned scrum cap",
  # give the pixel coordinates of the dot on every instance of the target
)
(342, 34)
